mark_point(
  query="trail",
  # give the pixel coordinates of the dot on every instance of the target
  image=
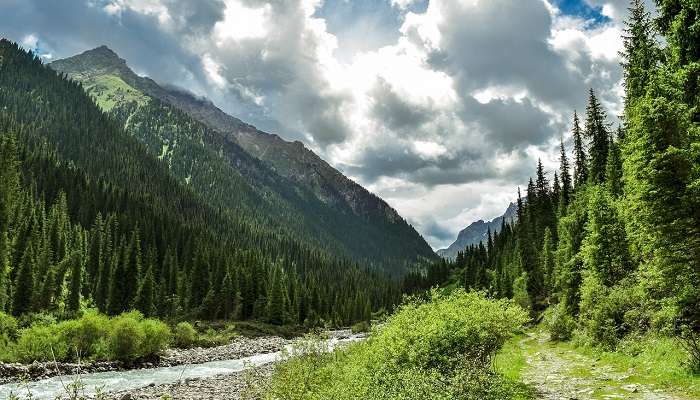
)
(557, 373)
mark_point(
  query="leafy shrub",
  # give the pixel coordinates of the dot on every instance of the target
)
(86, 336)
(608, 314)
(559, 323)
(184, 335)
(8, 326)
(126, 337)
(157, 337)
(40, 342)
(438, 349)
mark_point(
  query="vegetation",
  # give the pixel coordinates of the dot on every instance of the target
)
(611, 250)
(436, 349)
(90, 219)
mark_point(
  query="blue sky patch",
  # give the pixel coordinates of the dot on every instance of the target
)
(579, 8)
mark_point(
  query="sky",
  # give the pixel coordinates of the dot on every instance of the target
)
(441, 107)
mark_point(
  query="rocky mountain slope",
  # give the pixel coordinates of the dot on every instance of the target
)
(239, 167)
(477, 231)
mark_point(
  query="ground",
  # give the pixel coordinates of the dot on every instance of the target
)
(563, 371)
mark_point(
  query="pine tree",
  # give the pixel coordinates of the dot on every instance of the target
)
(565, 176)
(599, 137)
(580, 159)
(145, 298)
(24, 283)
(276, 305)
(547, 260)
(605, 248)
(9, 177)
(613, 171)
(76, 281)
(640, 53)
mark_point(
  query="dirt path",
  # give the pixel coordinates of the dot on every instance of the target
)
(562, 374)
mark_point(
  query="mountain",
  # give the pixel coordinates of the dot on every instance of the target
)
(234, 166)
(91, 216)
(477, 231)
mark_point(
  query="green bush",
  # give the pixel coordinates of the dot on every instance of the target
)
(87, 335)
(157, 337)
(126, 337)
(184, 335)
(440, 349)
(40, 342)
(559, 323)
(8, 326)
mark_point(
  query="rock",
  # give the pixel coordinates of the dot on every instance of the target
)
(126, 396)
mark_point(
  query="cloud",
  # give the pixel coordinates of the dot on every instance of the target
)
(441, 107)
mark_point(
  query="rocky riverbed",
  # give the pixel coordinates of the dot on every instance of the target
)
(223, 387)
(238, 348)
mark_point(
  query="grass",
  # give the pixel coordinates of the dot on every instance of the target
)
(110, 90)
(656, 362)
(650, 360)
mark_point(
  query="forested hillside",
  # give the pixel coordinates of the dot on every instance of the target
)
(90, 218)
(609, 244)
(275, 183)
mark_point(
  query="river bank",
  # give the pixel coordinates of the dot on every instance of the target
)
(239, 347)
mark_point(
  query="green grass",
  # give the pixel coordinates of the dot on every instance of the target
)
(650, 360)
(109, 91)
(511, 361)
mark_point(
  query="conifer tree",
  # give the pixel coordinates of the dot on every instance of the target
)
(23, 292)
(640, 53)
(580, 158)
(547, 259)
(75, 282)
(145, 298)
(9, 176)
(605, 248)
(598, 136)
(613, 171)
(565, 176)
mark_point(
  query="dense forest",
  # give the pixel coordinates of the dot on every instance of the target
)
(90, 219)
(609, 244)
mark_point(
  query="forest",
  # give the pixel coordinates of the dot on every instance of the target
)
(608, 246)
(89, 219)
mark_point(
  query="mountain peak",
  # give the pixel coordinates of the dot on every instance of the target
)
(99, 60)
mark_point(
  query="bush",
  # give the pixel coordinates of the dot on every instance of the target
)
(157, 337)
(40, 343)
(559, 323)
(126, 337)
(184, 335)
(440, 349)
(86, 336)
(8, 326)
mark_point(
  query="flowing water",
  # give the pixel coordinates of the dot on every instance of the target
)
(112, 381)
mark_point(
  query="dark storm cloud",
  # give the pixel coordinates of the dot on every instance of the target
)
(393, 111)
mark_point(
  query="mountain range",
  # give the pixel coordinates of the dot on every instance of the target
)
(477, 232)
(236, 167)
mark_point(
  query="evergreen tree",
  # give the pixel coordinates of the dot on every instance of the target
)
(276, 305)
(76, 281)
(145, 298)
(598, 136)
(9, 177)
(613, 171)
(605, 247)
(547, 259)
(565, 176)
(640, 53)
(24, 283)
(580, 158)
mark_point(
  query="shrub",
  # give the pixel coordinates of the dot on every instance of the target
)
(86, 336)
(184, 335)
(8, 326)
(157, 337)
(438, 349)
(40, 342)
(559, 323)
(126, 337)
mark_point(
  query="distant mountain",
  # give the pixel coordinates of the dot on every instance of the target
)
(237, 167)
(478, 231)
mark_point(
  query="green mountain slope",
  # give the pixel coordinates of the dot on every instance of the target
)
(236, 167)
(89, 217)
